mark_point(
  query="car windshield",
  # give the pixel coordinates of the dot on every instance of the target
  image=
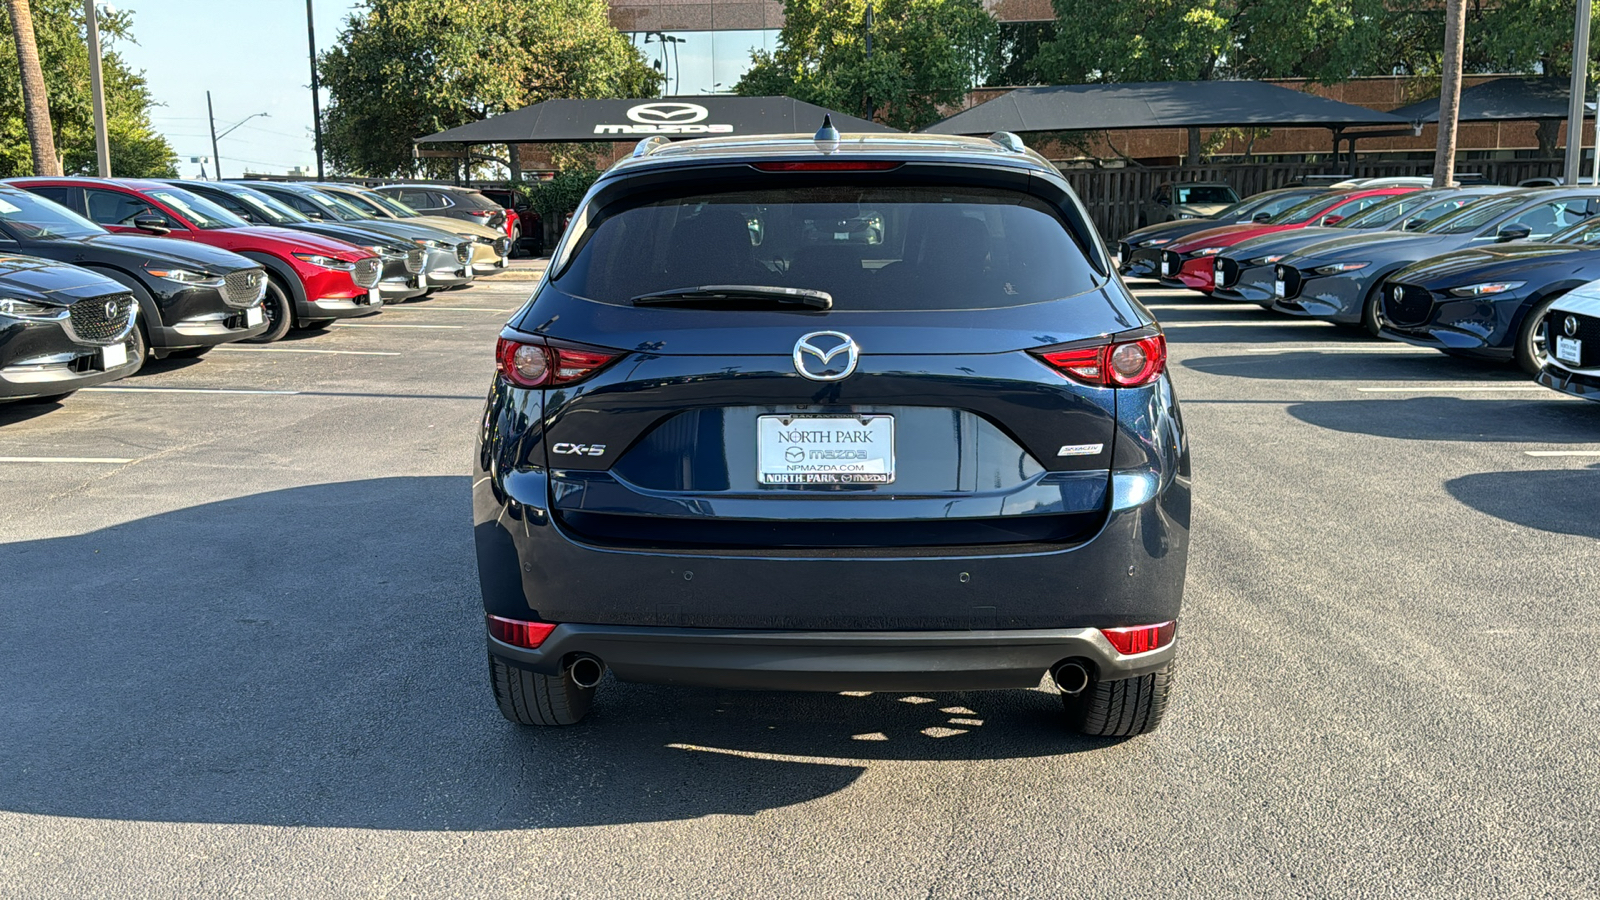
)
(391, 204)
(1204, 193)
(365, 203)
(200, 212)
(1424, 216)
(1271, 203)
(27, 215)
(343, 208)
(1474, 215)
(1585, 232)
(1388, 211)
(869, 248)
(267, 208)
(1310, 209)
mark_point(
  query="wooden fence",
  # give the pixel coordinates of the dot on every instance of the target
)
(1113, 196)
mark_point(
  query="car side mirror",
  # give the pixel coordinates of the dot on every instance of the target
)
(1512, 233)
(157, 225)
(1331, 220)
(1261, 217)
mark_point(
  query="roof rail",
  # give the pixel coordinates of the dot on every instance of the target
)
(650, 145)
(1009, 141)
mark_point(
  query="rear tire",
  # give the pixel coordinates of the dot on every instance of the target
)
(1121, 708)
(279, 310)
(529, 698)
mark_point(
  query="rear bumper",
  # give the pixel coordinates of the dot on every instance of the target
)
(832, 660)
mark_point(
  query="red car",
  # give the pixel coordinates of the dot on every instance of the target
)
(1188, 262)
(312, 280)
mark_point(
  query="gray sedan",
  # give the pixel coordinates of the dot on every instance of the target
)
(1339, 280)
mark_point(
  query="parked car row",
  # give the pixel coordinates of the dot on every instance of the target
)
(97, 275)
(1494, 273)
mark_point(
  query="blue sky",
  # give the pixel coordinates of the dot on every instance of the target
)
(251, 55)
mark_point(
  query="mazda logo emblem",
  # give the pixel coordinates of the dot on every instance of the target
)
(812, 361)
(111, 309)
(1570, 326)
(668, 113)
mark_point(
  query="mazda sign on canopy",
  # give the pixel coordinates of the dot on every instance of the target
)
(666, 118)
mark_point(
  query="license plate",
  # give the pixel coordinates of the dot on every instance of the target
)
(825, 450)
(1166, 267)
(254, 316)
(1278, 289)
(1569, 350)
(113, 356)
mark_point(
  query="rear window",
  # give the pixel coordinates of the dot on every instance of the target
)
(1206, 193)
(870, 248)
(474, 200)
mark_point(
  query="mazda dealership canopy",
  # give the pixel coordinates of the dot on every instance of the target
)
(1164, 104)
(623, 120)
(1503, 100)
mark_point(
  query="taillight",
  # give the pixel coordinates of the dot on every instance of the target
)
(1123, 364)
(518, 633)
(480, 213)
(538, 365)
(1141, 638)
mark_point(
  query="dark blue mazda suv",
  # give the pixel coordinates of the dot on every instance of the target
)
(833, 413)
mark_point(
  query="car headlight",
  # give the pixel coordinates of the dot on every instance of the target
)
(1209, 251)
(326, 262)
(1267, 260)
(186, 276)
(1155, 242)
(1487, 288)
(387, 252)
(22, 309)
(1340, 268)
(432, 244)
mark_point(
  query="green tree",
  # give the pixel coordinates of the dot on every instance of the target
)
(926, 55)
(61, 34)
(407, 68)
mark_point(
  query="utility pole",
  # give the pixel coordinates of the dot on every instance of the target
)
(35, 97)
(316, 100)
(871, 110)
(1580, 87)
(212, 118)
(1455, 29)
(102, 144)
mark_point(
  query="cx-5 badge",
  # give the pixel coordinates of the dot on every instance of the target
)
(579, 449)
(819, 367)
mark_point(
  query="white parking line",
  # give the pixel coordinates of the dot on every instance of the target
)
(307, 350)
(107, 460)
(1456, 389)
(363, 325)
(1375, 349)
(1542, 453)
(1275, 323)
(390, 309)
(156, 390)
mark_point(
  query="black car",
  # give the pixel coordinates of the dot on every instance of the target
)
(191, 297)
(736, 440)
(1491, 302)
(449, 201)
(1139, 251)
(62, 328)
(403, 260)
(530, 225)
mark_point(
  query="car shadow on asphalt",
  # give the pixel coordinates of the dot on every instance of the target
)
(314, 656)
(1535, 419)
(23, 410)
(1382, 364)
(1562, 501)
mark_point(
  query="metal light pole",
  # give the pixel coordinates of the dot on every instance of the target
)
(102, 145)
(1580, 87)
(212, 118)
(316, 100)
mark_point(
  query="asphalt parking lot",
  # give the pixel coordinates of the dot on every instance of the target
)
(242, 652)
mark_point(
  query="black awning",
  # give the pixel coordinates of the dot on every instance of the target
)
(1165, 104)
(1503, 100)
(627, 120)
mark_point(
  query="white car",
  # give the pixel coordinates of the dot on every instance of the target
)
(1573, 366)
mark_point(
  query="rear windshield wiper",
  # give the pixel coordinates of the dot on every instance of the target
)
(738, 296)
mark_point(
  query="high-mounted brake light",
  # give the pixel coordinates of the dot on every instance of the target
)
(518, 633)
(537, 365)
(1123, 364)
(830, 165)
(1141, 638)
